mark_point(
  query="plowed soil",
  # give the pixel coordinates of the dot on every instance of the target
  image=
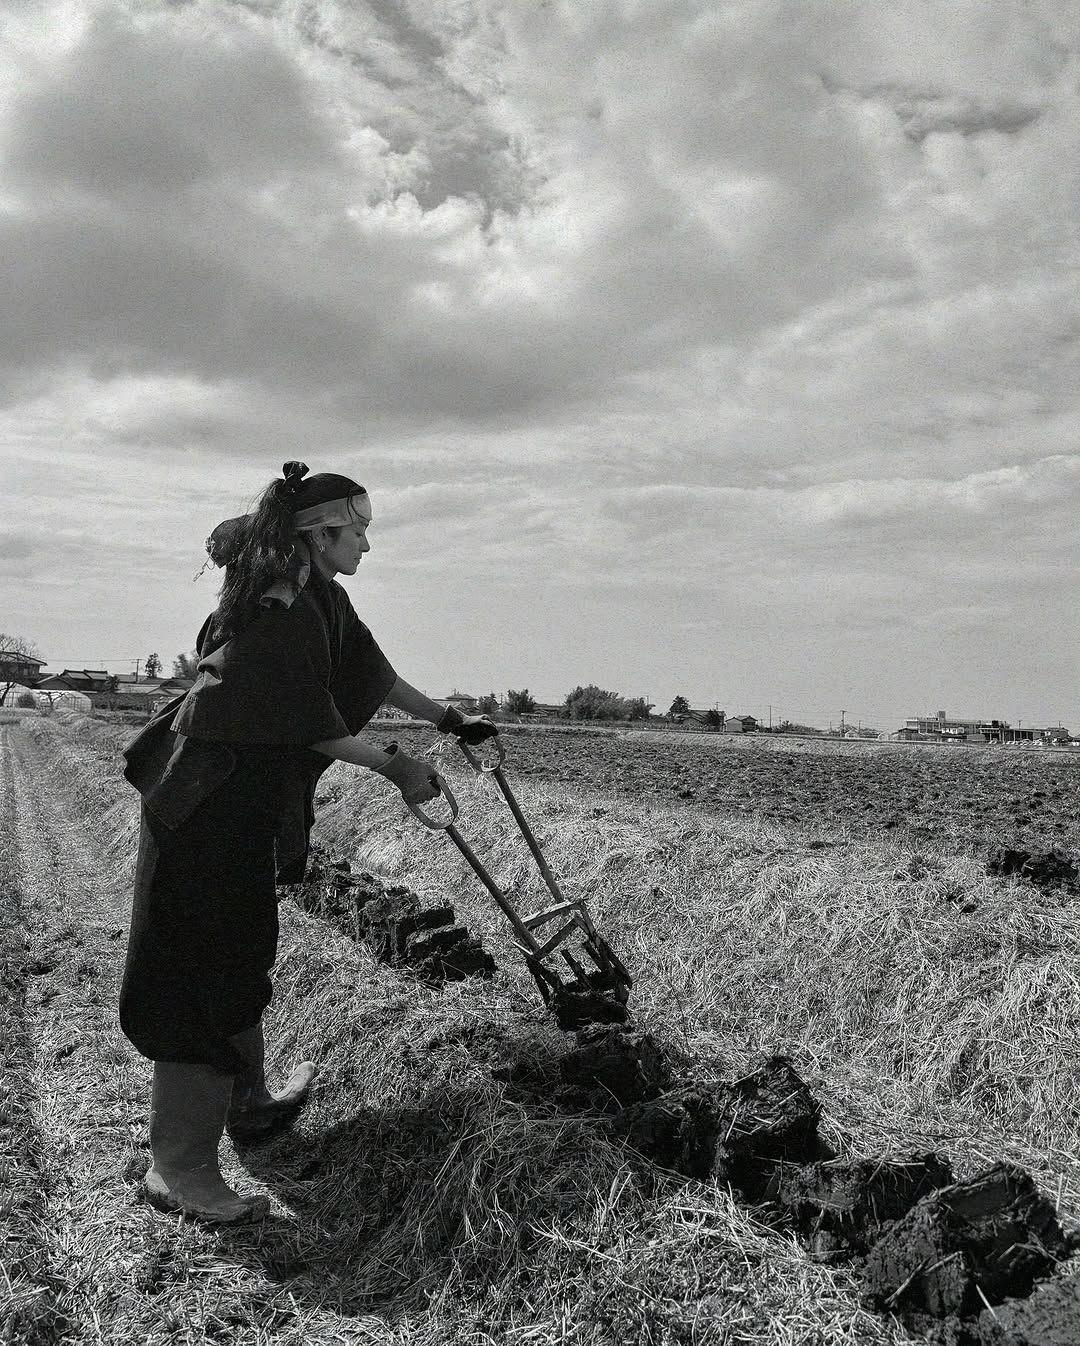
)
(966, 793)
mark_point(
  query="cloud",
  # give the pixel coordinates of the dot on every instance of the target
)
(15, 550)
(237, 207)
(750, 316)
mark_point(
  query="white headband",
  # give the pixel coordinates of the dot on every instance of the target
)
(334, 513)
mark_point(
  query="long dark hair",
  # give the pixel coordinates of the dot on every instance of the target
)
(261, 548)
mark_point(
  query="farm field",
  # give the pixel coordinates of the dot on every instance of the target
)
(965, 794)
(442, 1188)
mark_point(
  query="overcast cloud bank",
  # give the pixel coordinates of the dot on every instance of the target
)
(727, 349)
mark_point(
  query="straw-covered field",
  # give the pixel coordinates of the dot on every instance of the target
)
(438, 1188)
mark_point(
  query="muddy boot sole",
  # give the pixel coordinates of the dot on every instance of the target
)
(244, 1210)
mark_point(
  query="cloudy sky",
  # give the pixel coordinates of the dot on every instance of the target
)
(684, 346)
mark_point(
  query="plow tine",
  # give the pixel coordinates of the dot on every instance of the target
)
(575, 966)
(604, 956)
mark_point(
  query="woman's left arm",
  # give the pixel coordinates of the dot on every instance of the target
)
(471, 729)
(408, 698)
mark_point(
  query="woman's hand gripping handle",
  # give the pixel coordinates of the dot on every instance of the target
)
(417, 780)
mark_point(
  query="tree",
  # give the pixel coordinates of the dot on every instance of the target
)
(596, 703)
(680, 706)
(15, 647)
(488, 705)
(714, 719)
(520, 703)
(153, 665)
(790, 727)
(186, 665)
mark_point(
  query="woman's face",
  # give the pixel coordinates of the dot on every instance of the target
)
(341, 554)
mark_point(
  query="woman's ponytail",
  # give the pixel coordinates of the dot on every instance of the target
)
(261, 556)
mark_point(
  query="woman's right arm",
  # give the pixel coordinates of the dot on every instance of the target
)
(354, 750)
(416, 779)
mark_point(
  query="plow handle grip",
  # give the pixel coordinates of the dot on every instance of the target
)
(475, 761)
(434, 823)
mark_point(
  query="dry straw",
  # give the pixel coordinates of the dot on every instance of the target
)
(424, 1201)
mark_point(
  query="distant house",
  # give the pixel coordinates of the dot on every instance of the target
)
(20, 668)
(147, 693)
(116, 691)
(942, 728)
(95, 683)
(169, 691)
(461, 700)
(693, 718)
(740, 724)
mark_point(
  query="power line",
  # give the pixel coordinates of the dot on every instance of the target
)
(84, 661)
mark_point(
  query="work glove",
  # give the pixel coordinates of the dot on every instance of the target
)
(415, 778)
(470, 729)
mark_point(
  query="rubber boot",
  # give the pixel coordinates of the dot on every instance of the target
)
(256, 1114)
(187, 1119)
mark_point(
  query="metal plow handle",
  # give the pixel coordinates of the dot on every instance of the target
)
(477, 763)
(448, 798)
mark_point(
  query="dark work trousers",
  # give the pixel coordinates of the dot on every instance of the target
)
(204, 923)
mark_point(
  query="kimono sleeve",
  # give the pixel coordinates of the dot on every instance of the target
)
(364, 676)
(270, 684)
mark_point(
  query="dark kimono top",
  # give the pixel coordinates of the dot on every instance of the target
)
(300, 673)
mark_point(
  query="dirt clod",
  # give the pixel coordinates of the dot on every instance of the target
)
(841, 1206)
(1051, 869)
(738, 1132)
(967, 1245)
(389, 918)
(616, 1066)
(449, 953)
(594, 999)
(1049, 1317)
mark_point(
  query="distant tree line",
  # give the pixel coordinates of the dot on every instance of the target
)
(583, 703)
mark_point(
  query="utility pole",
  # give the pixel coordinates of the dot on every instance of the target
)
(842, 714)
(137, 663)
(770, 717)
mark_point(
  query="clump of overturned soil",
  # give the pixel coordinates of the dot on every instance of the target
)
(1052, 869)
(615, 1066)
(592, 999)
(1049, 1317)
(389, 918)
(840, 1207)
(737, 1132)
(968, 1245)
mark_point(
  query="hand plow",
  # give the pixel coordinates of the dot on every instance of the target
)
(597, 996)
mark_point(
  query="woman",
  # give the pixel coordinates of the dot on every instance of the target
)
(287, 677)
